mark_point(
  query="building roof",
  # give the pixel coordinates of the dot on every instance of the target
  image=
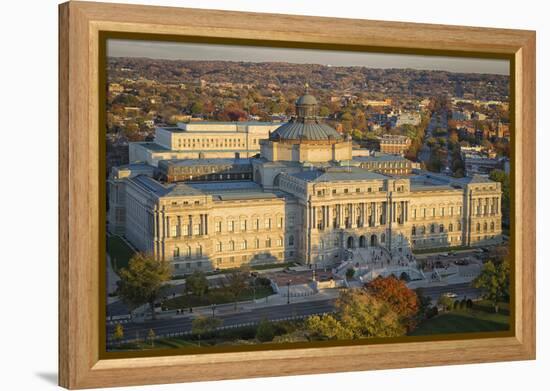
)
(380, 157)
(203, 162)
(160, 190)
(338, 174)
(296, 129)
(306, 99)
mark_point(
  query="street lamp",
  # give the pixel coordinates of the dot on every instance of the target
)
(254, 288)
(288, 294)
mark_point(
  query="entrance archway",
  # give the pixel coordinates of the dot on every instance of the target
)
(351, 242)
(373, 240)
(362, 241)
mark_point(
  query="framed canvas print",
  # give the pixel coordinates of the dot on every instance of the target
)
(246, 195)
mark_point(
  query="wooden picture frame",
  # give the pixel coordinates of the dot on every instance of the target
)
(81, 23)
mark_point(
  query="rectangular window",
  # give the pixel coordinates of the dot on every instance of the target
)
(257, 224)
(231, 226)
(268, 223)
(218, 226)
(280, 222)
(243, 225)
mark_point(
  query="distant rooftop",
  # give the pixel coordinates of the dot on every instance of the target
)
(338, 174)
(204, 162)
(161, 190)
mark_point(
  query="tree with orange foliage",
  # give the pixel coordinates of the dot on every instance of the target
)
(401, 299)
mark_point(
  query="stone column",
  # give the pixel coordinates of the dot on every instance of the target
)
(190, 228)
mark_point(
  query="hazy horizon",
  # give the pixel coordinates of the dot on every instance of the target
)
(214, 52)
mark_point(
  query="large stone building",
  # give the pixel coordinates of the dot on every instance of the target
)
(304, 199)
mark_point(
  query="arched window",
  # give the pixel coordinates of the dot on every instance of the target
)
(280, 242)
(432, 228)
(268, 242)
(256, 243)
(414, 230)
(441, 228)
(291, 240)
(383, 238)
(244, 245)
(176, 252)
(478, 227)
(492, 226)
(485, 227)
(459, 226)
(231, 245)
(423, 230)
(198, 251)
(451, 227)
(188, 252)
(219, 246)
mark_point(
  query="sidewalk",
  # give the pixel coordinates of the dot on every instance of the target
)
(247, 306)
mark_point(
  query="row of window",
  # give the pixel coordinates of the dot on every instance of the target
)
(433, 228)
(244, 226)
(209, 142)
(321, 193)
(244, 244)
(432, 212)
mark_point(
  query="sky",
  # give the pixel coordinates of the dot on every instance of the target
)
(194, 51)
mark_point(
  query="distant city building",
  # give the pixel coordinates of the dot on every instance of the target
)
(377, 103)
(394, 144)
(408, 118)
(385, 163)
(480, 161)
(461, 115)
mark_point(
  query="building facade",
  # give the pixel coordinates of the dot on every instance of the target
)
(306, 200)
(394, 144)
(202, 140)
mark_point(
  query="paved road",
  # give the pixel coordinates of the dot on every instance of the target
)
(183, 324)
(462, 291)
(163, 327)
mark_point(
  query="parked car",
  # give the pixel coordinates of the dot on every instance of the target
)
(450, 295)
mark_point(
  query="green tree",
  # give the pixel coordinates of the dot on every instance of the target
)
(358, 315)
(237, 282)
(265, 331)
(118, 334)
(196, 283)
(203, 324)
(446, 302)
(151, 337)
(494, 280)
(143, 280)
(504, 179)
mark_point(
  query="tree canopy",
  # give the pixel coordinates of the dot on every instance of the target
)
(358, 315)
(494, 279)
(401, 299)
(143, 280)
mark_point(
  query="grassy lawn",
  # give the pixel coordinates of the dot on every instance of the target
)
(119, 252)
(478, 319)
(163, 343)
(215, 296)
